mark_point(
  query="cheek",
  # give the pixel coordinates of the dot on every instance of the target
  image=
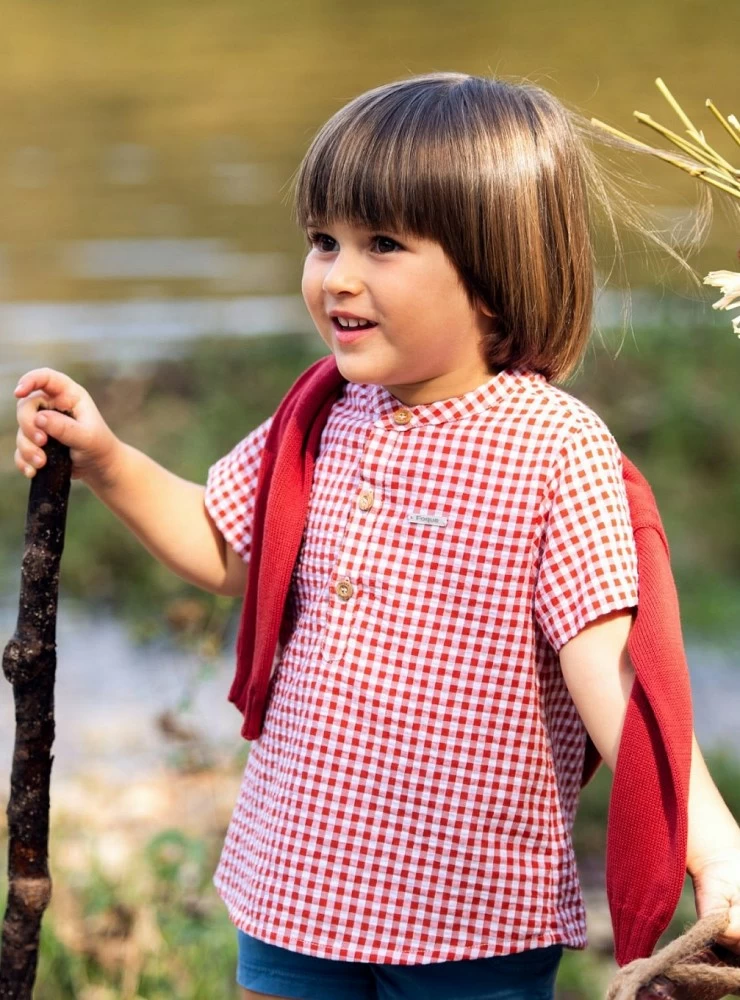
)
(313, 296)
(311, 285)
(306, 288)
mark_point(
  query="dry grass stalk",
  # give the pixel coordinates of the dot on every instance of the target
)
(699, 159)
(696, 156)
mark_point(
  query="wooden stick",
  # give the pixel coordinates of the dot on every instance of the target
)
(29, 663)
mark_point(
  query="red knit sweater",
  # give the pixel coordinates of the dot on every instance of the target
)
(647, 829)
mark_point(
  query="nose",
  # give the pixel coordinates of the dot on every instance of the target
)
(343, 275)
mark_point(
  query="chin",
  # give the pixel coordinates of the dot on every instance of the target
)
(357, 369)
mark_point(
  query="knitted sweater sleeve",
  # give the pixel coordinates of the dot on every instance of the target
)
(646, 838)
(648, 809)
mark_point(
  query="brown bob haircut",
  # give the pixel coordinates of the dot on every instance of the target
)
(497, 174)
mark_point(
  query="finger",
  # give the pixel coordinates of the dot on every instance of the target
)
(27, 438)
(28, 470)
(27, 428)
(28, 452)
(64, 393)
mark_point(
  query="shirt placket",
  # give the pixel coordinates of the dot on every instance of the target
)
(346, 589)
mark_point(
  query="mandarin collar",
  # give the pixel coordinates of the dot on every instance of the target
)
(378, 404)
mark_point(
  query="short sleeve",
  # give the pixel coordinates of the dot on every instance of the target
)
(231, 487)
(588, 564)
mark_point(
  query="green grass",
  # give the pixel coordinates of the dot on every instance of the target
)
(582, 976)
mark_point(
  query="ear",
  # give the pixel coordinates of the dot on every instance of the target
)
(485, 310)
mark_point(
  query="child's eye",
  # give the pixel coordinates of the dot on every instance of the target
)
(327, 244)
(385, 244)
(320, 241)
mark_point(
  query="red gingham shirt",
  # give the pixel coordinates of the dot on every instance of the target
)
(411, 797)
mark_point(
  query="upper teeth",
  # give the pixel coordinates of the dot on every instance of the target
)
(352, 322)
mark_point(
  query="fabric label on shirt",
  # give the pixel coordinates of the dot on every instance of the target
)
(433, 519)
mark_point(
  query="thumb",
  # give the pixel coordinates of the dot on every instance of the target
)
(61, 425)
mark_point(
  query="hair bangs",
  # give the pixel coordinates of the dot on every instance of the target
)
(371, 165)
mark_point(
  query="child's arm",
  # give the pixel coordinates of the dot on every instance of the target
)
(166, 513)
(168, 516)
(599, 676)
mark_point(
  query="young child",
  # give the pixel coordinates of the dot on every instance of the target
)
(459, 611)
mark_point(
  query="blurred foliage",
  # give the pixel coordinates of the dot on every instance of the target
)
(185, 414)
(671, 399)
(582, 976)
(160, 933)
(589, 834)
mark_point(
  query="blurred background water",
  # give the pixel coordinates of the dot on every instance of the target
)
(147, 247)
(146, 150)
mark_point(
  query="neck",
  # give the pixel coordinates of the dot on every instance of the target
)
(442, 387)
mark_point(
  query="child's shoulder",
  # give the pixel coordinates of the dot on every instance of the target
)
(564, 415)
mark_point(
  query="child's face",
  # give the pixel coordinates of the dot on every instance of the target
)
(426, 344)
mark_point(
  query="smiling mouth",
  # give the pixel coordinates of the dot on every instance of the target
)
(349, 334)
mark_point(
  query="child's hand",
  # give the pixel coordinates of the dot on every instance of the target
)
(92, 444)
(717, 887)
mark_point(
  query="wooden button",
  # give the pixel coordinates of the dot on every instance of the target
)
(402, 417)
(345, 589)
(367, 497)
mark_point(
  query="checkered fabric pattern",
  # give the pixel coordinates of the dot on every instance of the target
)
(411, 797)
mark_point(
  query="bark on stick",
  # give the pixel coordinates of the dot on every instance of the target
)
(29, 663)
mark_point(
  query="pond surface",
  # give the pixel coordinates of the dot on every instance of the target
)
(110, 691)
(147, 150)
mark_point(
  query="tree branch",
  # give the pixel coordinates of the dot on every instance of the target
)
(29, 663)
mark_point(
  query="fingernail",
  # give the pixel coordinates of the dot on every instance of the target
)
(28, 471)
(38, 438)
(40, 420)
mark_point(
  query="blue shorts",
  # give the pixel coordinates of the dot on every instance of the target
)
(265, 968)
